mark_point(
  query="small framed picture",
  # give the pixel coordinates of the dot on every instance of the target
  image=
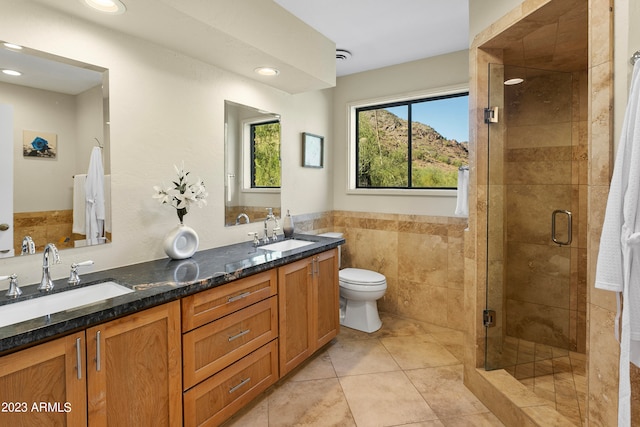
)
(39, 144)
(312, 150)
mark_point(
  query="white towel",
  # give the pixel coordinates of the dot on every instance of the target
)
(462, 203)
(618, 265)
(94, 192)
(79, 203)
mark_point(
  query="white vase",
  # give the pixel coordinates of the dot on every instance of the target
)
(181, 242)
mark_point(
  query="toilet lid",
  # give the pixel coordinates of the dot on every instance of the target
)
(359, 276)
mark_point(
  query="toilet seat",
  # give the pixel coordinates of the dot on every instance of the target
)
(357, 278)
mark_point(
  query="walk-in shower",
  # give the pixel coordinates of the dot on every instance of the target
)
(536, 253)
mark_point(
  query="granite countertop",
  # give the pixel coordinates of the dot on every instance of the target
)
(154, 283)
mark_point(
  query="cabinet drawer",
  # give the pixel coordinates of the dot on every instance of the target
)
(216, 345)
(219, 397)
(215, 303)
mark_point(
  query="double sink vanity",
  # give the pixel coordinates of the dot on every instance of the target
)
(168, 342)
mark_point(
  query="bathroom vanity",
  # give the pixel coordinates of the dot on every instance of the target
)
(195, 342)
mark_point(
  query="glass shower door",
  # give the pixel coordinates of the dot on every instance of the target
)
(530, 202)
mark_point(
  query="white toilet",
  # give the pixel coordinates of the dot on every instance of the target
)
(359, 291)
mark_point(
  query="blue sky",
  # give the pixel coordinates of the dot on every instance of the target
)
(449, 117)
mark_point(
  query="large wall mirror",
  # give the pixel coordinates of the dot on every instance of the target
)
(54, 141)
(252, 163)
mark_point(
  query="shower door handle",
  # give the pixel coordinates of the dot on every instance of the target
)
(553, 227)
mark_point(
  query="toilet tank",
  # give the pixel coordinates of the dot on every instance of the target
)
(335, 235)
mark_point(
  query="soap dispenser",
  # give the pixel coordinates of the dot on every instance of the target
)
(287, 225)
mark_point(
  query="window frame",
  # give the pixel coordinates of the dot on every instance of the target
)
(252, 163)
(352, 157)
(247, 155)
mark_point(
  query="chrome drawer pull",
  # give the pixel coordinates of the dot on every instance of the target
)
(245, 332)
(79, 357)
(243, 382)
(238, 297)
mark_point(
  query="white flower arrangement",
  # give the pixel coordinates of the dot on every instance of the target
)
(182, 195)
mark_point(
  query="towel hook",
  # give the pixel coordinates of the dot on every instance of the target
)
(98, 141)
(635, 57)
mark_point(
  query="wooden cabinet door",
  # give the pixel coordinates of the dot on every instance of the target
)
(295, 304)
(45, 385)
(326, 297)
(134, 370)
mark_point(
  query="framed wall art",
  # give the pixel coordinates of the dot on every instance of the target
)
(39, 144)
(312, 150)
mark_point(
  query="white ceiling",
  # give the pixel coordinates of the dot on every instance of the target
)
(380, 33)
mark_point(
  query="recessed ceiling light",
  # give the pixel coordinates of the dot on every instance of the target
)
(12, 72)
(12, 46)
(112, 7)
(267, 71)
(512, 82)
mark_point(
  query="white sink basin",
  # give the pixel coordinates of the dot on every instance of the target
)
(286, 245)
(54, 303)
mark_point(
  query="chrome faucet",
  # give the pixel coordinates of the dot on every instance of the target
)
(256, 241)
(14, 290)
(276, 226)
(28, 246)
(46, 284)
(242, 215)
(74, 277)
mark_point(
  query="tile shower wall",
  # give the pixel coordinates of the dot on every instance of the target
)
(602, 347)
(545, 158)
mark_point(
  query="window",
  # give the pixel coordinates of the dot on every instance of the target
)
(265, 154)
(413, 144)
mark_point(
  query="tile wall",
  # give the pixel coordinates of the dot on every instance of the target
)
(44, 227)
(420, 256)
(545, 170)
(601, 346)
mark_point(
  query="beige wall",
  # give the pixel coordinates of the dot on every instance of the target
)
(420, 256)
(483, 13)
(165, 108)
(46, 184)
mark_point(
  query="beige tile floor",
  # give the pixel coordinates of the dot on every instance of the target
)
(408, 373)
(553, 374)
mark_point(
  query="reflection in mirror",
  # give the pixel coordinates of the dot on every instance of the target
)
(54, 142)
(252, 164)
